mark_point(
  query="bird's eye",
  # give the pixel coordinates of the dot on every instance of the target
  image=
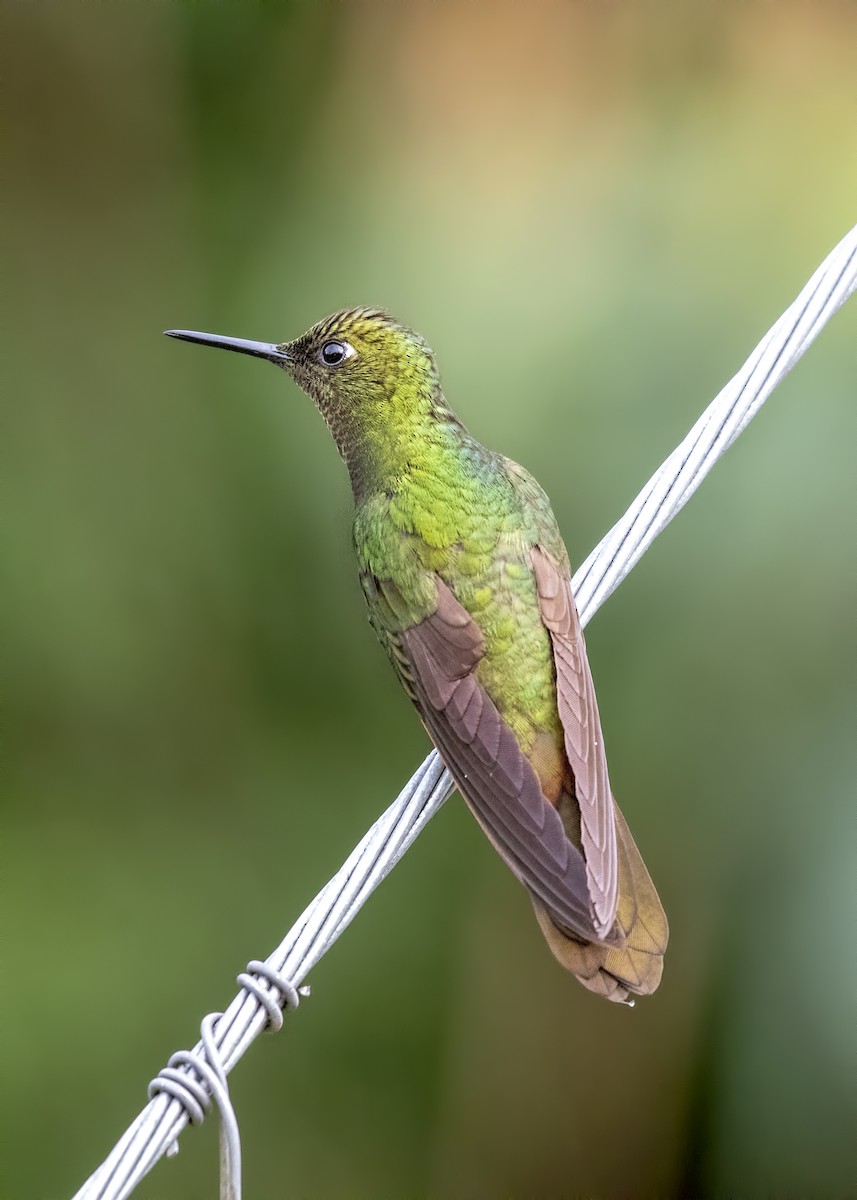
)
(334, 353)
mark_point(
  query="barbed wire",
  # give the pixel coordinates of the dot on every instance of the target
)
(185, 1089)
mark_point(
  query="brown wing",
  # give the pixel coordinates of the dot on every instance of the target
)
(438, 657)
(584, 743)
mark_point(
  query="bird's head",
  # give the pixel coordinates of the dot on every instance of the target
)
(353, 358)
(370, 376)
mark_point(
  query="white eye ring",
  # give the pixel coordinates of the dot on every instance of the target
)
(335, 352)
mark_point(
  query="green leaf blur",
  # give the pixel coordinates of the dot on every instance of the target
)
(592, 212)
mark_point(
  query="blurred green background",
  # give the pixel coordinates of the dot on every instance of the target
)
(592, 212)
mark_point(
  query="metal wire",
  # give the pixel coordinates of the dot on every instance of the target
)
(183, 1091)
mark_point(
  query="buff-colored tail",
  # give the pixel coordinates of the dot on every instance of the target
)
(633, 962)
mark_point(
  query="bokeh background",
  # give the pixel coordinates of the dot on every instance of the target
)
(592, 212)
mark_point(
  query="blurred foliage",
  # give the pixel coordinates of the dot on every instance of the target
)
(592, 212)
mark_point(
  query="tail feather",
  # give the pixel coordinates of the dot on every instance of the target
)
(633, 962)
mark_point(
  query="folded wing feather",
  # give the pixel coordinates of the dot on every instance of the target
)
(584, 742)
(491, 771)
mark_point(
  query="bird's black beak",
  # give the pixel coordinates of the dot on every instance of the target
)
(269, 350)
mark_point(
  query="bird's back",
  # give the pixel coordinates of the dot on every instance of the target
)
(471, 517)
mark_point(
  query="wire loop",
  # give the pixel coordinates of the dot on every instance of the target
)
(195, 1095)
(189, 1092)
(251, 981)
(196, 1077)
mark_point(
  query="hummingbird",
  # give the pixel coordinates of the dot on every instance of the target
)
(468, 586)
